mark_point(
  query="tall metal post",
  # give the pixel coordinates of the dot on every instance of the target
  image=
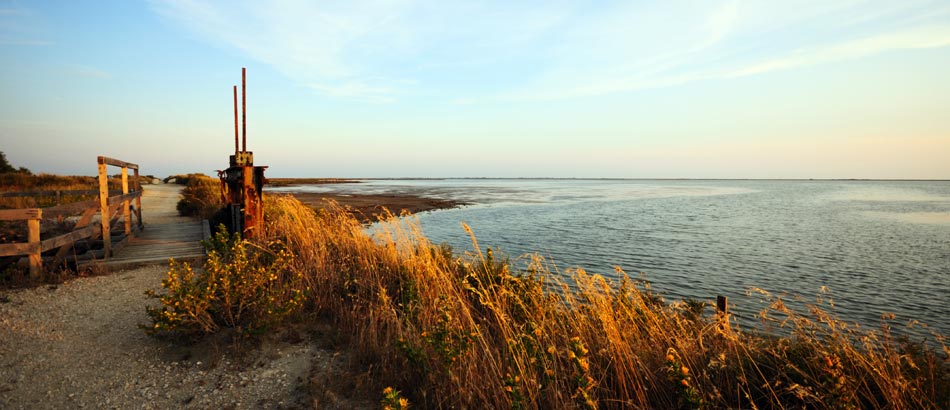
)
(242, 182)
(235, 122)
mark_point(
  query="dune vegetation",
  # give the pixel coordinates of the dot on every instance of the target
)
(201, 196)
(438, 329)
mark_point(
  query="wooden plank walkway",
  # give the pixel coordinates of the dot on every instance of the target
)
(157, 244)
(169, 237)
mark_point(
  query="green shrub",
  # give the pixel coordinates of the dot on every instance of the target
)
(243, 285)
(201, 198)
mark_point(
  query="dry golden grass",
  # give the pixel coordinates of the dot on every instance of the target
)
(201, 196)
(481, 331)
(440, 330)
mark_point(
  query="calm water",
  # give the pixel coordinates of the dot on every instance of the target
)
(877, 246)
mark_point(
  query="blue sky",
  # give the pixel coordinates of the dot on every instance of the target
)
(703, 89)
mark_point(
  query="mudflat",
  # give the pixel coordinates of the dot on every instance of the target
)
(368, 208)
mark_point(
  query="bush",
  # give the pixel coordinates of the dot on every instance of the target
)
(185, 179)
(243, 286)
(201, 198)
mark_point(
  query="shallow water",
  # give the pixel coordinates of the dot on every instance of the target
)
(877, 247)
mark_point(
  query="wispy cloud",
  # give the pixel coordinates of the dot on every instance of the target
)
(384, 50)
(89, 72)
(312, 43)
(728, 40)
(19, 26)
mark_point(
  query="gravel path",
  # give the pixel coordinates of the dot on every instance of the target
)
(78, 345)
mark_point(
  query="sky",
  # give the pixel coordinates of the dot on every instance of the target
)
(629, 89)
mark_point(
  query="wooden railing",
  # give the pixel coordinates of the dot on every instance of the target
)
(106, 206)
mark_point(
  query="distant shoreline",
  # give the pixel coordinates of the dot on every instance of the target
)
(282, 182)
(365, 207)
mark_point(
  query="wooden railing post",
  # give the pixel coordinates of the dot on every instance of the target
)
(36, 257)
(104, 207)
(138, 199)
(126, 213)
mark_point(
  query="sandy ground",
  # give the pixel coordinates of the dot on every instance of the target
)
(78, 345)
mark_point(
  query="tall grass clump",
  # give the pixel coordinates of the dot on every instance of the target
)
(482, 331)
(201, 197)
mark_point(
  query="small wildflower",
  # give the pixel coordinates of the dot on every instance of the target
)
(387, 390)
(684, 370)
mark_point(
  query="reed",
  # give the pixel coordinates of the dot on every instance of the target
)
(479, 330)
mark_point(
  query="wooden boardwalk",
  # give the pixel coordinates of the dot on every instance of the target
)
(170, 236)
(157, 244)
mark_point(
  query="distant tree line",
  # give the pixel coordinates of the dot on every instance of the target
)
(5, 166)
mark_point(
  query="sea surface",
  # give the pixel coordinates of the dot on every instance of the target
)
(870, 247)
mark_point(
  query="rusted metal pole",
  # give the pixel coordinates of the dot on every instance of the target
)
(244, 109)
(235, 122)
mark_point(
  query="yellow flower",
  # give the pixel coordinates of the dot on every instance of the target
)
(387, 390)
(669, 358)
(551, 350)
(403, 403)
(684, 370)
(684, 382)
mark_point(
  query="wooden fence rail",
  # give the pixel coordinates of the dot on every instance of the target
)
(106, 206)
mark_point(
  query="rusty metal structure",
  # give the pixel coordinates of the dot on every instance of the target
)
(242, 182)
